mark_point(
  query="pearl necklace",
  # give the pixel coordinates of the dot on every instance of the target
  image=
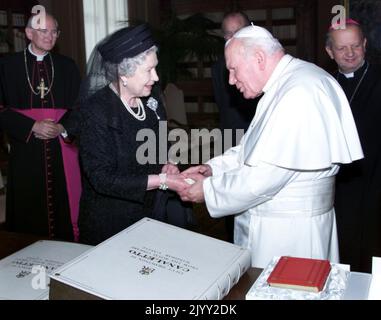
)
(140, 114)
(30, 84)
(358, 84)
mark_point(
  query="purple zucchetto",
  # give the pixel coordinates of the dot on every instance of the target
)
(126, 43)
(348, 21)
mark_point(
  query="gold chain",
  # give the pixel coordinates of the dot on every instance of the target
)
(27, 75)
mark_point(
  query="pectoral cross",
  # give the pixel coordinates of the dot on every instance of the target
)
(42, 88)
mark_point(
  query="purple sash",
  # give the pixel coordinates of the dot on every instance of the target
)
(70, 162)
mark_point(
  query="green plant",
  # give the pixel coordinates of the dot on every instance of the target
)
(181, 39)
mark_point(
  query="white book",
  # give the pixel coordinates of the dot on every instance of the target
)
(153, 260)
(24, 274)
(375, 286)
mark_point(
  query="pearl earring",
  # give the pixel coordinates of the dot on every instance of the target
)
(124, 83)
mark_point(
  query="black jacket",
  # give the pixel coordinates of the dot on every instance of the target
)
(114, 192)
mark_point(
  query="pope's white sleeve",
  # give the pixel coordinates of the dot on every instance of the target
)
(243, 188)
(226, 161)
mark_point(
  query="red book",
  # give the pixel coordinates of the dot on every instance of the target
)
(300, 273)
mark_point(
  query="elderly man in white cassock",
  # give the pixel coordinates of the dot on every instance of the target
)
(279, 181)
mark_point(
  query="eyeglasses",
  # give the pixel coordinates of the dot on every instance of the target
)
(46, 32)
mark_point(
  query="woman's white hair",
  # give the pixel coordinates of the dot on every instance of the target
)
(128, 65)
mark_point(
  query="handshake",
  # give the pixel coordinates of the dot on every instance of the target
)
(187, 184)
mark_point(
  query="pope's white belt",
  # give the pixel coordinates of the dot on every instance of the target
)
(304, 198)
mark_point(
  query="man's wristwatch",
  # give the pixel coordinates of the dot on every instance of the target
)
(163, 180)
(64, 134)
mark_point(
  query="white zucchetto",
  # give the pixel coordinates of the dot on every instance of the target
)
(253, 32)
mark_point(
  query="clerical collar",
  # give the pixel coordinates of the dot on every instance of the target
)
(348, 75)
(39, 57)
(352, 74)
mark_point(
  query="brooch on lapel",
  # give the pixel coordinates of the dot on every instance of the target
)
(153, 104)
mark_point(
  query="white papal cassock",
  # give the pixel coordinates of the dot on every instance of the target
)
(279, 181)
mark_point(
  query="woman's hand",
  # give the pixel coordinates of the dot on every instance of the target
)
(170, 168)
(176, 182)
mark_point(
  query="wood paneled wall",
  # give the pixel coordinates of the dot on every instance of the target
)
(69, 14)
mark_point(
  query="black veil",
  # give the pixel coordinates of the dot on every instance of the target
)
(99, 74)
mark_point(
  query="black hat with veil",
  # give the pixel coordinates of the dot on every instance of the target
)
(102, 68)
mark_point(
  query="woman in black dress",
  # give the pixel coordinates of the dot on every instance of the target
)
(119, 111)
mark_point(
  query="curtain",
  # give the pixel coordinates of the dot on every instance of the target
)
(102, 17)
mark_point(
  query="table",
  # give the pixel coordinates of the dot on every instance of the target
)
(11, 242)
(239, 291)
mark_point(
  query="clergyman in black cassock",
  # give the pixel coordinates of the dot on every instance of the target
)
(37, 83)
(358, 185)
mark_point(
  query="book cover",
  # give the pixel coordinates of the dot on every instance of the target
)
(300, 273)
(24, 274)
(153, 260)
(335, 287)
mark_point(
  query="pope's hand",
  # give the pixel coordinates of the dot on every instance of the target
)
(194, 193)
(205, 170)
